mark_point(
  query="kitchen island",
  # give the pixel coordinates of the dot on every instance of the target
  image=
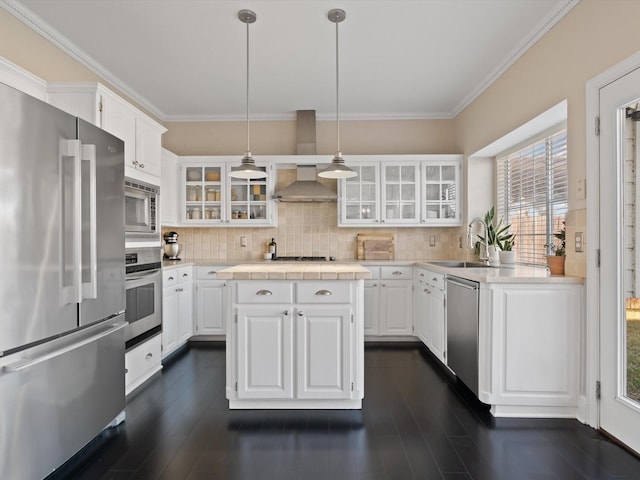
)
(295, 335)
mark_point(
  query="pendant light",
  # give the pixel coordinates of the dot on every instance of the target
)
(247, 169)
(337, 168)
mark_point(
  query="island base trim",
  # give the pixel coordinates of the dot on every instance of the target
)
(295, 404)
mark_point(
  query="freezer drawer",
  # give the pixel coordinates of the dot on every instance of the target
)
(57, 397)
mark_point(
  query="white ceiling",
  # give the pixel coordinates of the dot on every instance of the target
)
(185, 59)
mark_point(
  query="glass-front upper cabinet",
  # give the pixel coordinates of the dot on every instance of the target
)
(360, 196)
(247, 199)
(441, 192)
(212, 197)
(203, 193)
(400, 193)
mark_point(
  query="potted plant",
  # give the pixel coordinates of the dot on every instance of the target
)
(558, 250)
(507, 255)
(497, 235)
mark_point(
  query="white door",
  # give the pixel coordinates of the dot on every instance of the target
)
(371, 307)
(209, 307)
(437, 328)
(265, 352)
(620, 253)
(396, 302)
(169, 320)
(185, 312)
(324, 344)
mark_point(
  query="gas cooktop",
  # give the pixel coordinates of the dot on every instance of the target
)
(304, 259)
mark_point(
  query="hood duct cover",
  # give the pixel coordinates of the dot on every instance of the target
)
(306, 188)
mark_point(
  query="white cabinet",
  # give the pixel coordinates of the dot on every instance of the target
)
(389, 301)
(142, 362)
(295, 344)
(404, 190)
(529, 348)
(209, 196)
(323, 353)
(97, 104)
(441, 189)
(209, 306)
(177, 308)
(264, 352)
(168, 188)
(430, 311)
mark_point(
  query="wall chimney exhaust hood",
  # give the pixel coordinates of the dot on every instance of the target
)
(306, 188)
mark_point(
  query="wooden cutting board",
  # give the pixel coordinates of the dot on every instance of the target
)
(375, 246)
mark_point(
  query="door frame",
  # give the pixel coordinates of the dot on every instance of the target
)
(590, 411)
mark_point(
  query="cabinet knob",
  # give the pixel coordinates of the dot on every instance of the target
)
(185, 274)
(397, 273)
(140, 165)
(135, 162)
(179, 290)
(384, 284)
(286, 313)
(301, 314)
(171, 278)
(375, 284)
(422, 274)
(434, 279)
(324, 293)
(264, 292)
(212, 272)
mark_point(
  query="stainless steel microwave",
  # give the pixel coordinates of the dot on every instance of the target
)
(141, 210)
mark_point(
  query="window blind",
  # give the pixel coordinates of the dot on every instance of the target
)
(532, 194)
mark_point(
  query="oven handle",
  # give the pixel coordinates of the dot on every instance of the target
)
(142, 275)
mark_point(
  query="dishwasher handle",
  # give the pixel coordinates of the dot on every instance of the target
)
(464, 283)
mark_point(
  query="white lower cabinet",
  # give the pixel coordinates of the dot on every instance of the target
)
(430, 311)
(324, 340)
(177, 308)
(265, 352)
(389, 301)
(209, 305)
(296, 344)
(141, 362)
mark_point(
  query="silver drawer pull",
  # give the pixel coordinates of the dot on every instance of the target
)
(148, 356)
(434, 279)
(264, 292)
(171, 278)
(397, 273)
(422, 274)
(324, 293)
(185, 274)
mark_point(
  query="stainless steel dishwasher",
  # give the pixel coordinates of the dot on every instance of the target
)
(462, 330)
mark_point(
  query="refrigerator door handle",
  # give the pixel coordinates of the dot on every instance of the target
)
(90, 288)
(70, 172)
(25, 364)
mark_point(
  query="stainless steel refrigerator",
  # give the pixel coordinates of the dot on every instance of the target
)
(62, 297)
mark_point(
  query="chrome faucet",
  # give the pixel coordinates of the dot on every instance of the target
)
(484, 258)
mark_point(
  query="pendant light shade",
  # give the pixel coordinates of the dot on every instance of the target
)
(337, 168)
(247, 169)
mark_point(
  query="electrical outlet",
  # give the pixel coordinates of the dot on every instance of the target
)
(243, 240)
(579, 242)
(432, 241)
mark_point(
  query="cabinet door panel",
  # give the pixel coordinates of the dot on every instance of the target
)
(169, 320)
(119, 120)
(437, 324)
(371, 307)
(265, 353)
(396, 299)
(323, 361)
(185, 312)
(209, 308)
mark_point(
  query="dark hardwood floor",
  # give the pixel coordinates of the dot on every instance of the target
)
(414, 425)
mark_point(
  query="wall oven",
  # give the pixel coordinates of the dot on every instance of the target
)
(143, 283)
(141, 211)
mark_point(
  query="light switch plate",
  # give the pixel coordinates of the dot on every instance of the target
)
(432, 241)
(579, 242)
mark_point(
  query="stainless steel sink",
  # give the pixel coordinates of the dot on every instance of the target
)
(457, 264)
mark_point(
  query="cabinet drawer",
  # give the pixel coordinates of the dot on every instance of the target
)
(142, 359)
(265, 292)
(323, 292)
(396, 273)
(170, 277)
(432, 278)
(185, 274)
(208, 272)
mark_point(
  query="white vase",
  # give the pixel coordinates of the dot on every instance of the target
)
(508, 259)
(494, 258)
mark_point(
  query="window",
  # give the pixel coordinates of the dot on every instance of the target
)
(533, 193)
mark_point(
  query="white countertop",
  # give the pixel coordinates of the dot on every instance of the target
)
(349, 270)
(295, 271)
(515, 274)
